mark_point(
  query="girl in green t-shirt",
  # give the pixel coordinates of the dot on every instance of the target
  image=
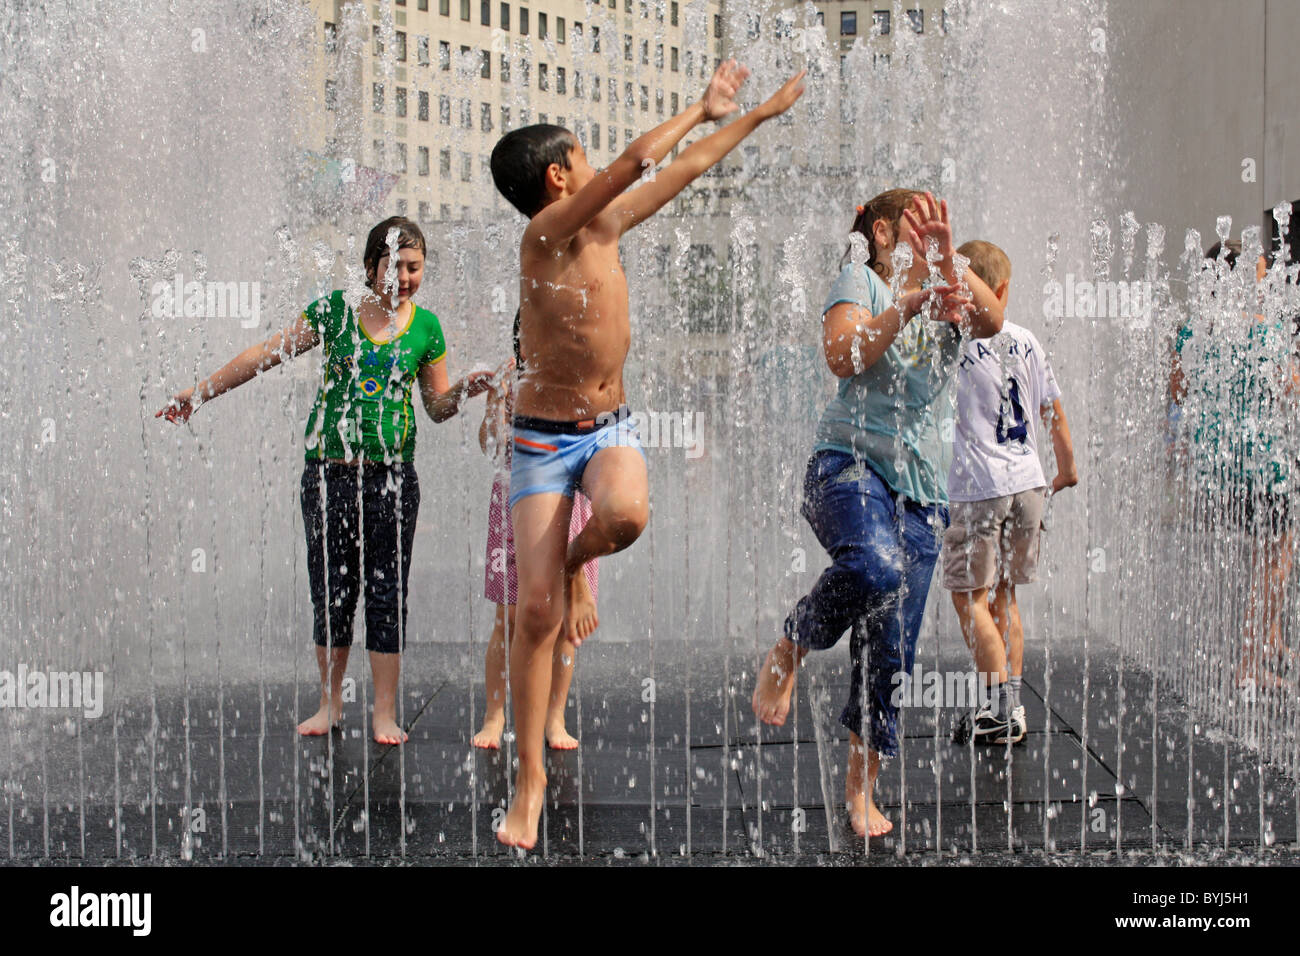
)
(360, 493)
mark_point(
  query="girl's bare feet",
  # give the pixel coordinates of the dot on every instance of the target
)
(489, 738)
(321, 722)
(520, 825)
(557, 738)
(859, 782)
(771, 699)
(387, 732)
(579, 609)
(866, 817)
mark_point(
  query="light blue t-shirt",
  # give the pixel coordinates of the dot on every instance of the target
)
(889, 414)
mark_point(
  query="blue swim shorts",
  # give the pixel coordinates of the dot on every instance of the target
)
(551, 456)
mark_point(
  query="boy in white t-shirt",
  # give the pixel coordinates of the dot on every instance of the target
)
(996, 493)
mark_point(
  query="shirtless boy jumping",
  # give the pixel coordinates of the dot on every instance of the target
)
(571, 421)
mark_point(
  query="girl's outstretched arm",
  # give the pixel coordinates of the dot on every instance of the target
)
(294, 340)
(443, 400)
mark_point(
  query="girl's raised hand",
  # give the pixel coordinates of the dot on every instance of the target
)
(719, 98)
(929, 220)
(785, 97)
(179, 409)
(947, 303)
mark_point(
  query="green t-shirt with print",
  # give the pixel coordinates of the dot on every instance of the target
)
(364, 409)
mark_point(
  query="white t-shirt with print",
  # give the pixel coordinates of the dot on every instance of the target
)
(1002, 383)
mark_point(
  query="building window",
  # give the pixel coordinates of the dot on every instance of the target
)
(523, 21)
(577, 84)
(444, 211)
(505, 16)
(917, 18)
(559, 80)
(659, 56)
(943, 20)
(505, 68)
(444, 110)
(673, 102)
(485, 64)
(645, 100)
(426, 211)
(379, 152)
(422, 105)
(848, 23)
(595, 137)
(423, 5)
(466, 163)
(331, 37)
(525, 71)
(377, 93)
(422, 51)
(422, 160)
(659, 102)
(401, 46)
(541, 26)
(444, 7)
(717, 26)
(467, 114)
(505, 119)
(645, 52)
(629, 99)
(645, 13)
(627, 46)
(464, 10)
(444, 164)
(401, 157)
(401, 207)
(672, 17)
(672, 59)
(378, 43)
(880, 22)
(595, 39)
(399, 97)
(485, 117)
(485, 13)
(559, 29)
(444, 55)
(543, 77)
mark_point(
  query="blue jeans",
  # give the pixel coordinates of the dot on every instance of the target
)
(884, 548)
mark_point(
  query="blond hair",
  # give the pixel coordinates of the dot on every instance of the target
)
(987, 261)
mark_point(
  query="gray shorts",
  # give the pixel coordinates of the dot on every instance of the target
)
(992, 540)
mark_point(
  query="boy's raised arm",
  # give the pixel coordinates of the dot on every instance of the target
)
(644, 201)
(561, 220)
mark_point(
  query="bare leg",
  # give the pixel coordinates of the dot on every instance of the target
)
(1006, 618)
(386, 668)
(562, 665)
(494, 679)
(541, 525)
(981, 633)
(616, 483)
(776, 678)
(864, 815)
(333, 663)
(1262, 642)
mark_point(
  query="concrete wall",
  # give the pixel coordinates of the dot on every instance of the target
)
(1199, 86)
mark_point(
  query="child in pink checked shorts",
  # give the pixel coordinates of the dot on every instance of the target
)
(500, 586)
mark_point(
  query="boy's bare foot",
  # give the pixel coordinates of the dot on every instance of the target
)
(520, 825)
(320, 723)
(387, 732)
(489, 738)
(866, 817)
(579, 608)
(771, 700)
(557, 738)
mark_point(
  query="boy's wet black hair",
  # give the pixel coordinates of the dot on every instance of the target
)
(520, 160)
(409, 236)
(1274, 247)
(1230, 257)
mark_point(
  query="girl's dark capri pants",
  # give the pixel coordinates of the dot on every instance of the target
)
(345, 536)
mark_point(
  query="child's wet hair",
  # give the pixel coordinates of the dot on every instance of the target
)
(409, 236)
(890, 206)
(520, 160)
(1233, 247)
(987, 261)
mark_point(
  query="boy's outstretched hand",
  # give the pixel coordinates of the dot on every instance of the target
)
(719, 98)
(784, 98)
